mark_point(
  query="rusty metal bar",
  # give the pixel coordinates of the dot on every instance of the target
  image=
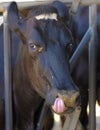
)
(92, 66)
(7, 75)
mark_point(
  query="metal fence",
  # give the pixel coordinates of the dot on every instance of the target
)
(90, 34)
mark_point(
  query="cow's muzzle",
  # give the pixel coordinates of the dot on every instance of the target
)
(66, 102)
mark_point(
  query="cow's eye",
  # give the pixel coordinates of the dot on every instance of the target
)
(35, 48)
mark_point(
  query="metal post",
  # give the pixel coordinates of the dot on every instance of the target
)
(92, 67)
(7, 75)
(42, 116)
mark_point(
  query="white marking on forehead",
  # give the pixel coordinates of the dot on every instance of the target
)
(47, 16)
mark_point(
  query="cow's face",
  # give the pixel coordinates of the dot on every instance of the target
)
(44, 44)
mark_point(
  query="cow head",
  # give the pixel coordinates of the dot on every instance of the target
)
(45, 42)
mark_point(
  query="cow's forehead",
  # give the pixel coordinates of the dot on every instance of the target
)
(48, 29)
(47, 25)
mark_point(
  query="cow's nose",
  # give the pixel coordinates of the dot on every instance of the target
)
(70, 98)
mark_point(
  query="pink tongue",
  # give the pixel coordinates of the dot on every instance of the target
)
(58, 106)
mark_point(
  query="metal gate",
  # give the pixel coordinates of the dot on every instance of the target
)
(90, 34)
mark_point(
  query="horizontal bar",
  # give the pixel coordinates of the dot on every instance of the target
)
(79, 49)
(3, 5)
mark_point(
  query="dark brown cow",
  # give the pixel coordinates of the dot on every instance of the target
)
(41, 70)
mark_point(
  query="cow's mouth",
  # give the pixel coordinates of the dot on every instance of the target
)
(62, 106)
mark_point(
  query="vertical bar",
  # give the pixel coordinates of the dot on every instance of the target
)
(92, 67)
(7, 75)
(42, 116)
(72, 120)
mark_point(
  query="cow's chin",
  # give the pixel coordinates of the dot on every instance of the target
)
(59, 107)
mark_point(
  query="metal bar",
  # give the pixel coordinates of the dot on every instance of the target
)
(72, 120)
(43, 114)
(7, 75)
(92, 66)
(79, 49)
(3, 5)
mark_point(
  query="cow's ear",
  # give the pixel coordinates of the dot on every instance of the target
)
(14, 23)
(63, 11)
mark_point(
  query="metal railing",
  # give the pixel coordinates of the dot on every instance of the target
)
(89, 35)
(4, 5)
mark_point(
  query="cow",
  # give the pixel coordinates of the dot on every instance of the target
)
(40, 64)
(80, 24)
